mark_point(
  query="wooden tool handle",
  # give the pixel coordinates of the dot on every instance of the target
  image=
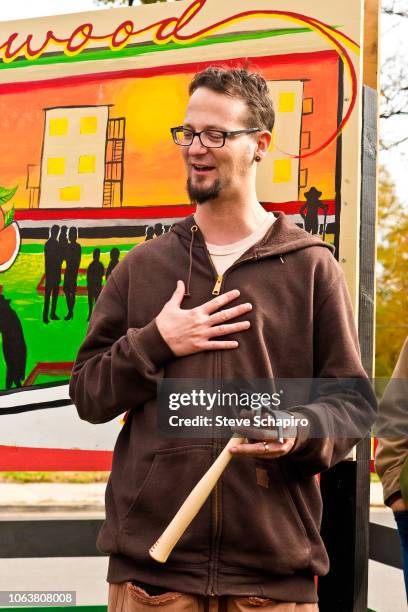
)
(162, 548)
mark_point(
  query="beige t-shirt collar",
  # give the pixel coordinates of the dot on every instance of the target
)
(223, 256)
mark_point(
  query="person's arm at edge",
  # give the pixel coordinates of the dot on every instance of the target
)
(392, 449)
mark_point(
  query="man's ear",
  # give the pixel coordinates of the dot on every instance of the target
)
(264, 141)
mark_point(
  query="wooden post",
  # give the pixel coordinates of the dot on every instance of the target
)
(346, 487)
(371, 54)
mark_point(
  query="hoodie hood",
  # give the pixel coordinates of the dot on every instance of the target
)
(282, 238)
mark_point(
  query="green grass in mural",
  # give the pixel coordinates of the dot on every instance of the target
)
(59, 340)
(39, 248)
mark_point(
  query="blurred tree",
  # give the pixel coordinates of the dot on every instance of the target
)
(394, 77)
(392, 276)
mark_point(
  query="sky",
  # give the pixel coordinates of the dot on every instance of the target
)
(394, 39)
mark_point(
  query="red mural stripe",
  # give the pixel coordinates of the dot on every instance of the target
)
(128, 212)
(254, 62)
(141, 212)
(14, 458)
(292, 208)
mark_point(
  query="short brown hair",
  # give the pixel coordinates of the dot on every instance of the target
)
(240, 83)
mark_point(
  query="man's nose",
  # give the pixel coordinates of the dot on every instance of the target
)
(196, 146)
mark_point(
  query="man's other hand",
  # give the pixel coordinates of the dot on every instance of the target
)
(267, 449)
(192, 331)
(264, 443)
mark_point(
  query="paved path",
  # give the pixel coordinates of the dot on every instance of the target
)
(57, 496)
(51, 497)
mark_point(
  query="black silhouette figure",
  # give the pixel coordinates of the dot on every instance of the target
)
(114, 260)
(63, 243)
(159, 229)
(52, 262)
(94, 276)
(73, 259)
(14, 346)
(149, 232)
(310, 211)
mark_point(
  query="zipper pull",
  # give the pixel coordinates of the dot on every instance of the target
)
(217, 286)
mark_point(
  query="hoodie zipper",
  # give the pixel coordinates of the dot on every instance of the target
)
(215, 497)
(220, 277)
(217, 288)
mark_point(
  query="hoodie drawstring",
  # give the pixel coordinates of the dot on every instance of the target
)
(193, 230)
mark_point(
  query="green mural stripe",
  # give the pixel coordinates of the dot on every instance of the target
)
(149, 48)
(105, 248)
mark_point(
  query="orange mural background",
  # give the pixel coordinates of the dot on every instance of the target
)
(154, 173)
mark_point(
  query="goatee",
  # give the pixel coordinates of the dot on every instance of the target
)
(203, 194)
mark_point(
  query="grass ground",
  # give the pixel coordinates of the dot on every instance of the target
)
(71, 477)
(60, 477)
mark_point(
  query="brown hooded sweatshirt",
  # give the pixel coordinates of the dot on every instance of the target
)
(254, 536)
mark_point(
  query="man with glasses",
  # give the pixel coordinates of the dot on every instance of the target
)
(231, 292)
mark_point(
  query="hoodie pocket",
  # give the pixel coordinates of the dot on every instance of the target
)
(264, 531)
(172, 475)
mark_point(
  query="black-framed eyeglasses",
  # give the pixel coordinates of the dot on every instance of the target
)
(211, 139)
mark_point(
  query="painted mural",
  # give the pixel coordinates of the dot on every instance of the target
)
(90, 170)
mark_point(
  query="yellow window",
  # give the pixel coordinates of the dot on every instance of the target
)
(87, 163)
(89, 125)
(70, 194)
(58, 126)
(55, 165)
(282, 170)
(286, 102)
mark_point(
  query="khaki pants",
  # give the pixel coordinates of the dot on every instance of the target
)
(125, 597)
